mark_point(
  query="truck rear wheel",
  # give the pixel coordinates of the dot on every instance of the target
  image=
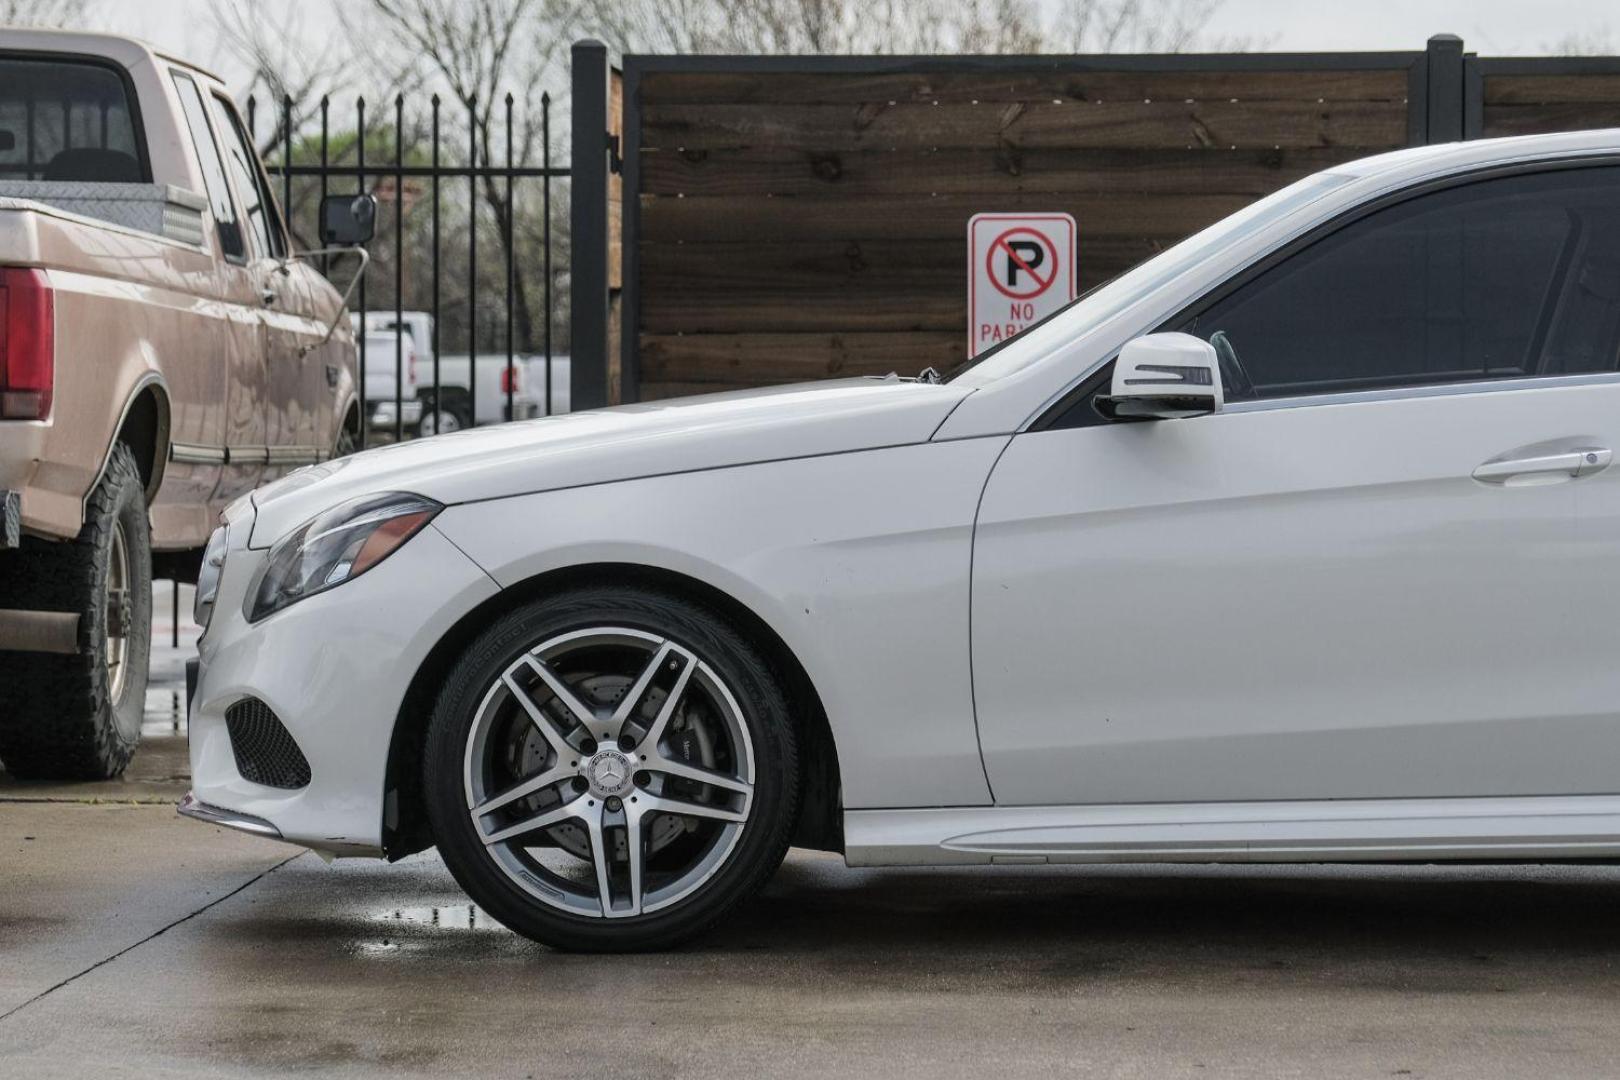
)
(454, 413)
(79, 717)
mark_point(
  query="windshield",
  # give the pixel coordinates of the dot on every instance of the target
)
(1111, 297)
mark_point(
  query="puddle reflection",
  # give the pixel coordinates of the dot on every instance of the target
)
(405, 928)
(451, 917)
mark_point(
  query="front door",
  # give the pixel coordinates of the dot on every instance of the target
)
(1384, 571)
(236, 287)
(295, 383)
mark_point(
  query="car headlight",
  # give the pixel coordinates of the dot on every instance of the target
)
(337, 546)
(213, 563)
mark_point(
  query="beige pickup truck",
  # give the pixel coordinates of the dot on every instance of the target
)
(162, 351)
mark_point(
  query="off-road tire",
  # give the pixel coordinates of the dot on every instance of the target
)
(347, 441)
(57, 721)
(764, 842)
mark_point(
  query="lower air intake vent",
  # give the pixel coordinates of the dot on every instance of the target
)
(265, 750)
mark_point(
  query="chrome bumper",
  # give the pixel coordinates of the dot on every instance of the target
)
(230, 819)
(409, 412)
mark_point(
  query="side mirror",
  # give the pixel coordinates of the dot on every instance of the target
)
(1168, 376)
(348, 220)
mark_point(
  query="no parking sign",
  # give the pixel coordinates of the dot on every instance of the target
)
(1021, 268)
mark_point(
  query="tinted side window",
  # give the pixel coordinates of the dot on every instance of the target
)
(243, 163)
(67, 120)
(213, 168)
(1500, 278)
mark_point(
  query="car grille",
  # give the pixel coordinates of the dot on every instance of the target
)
(265, 750)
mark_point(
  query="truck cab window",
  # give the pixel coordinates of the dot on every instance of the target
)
(67, 120)
(213, 168)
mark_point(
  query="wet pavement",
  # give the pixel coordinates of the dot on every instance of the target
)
(135, 943)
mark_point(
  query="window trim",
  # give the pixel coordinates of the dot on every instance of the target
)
(131, 97)
(1050, 416)
(175, 75)
(238, 131)
(1453, 389)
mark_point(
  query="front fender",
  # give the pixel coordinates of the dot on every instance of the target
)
(859, 562)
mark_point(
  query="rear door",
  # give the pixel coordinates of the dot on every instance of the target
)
(1389, 569)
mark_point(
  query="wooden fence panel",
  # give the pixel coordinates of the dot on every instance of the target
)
(793, 225)
(1531, 104)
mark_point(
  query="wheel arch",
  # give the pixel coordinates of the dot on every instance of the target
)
(819, 824)
(144, 426)
(349, 418)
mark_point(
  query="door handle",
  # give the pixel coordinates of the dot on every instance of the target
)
(1571, 463)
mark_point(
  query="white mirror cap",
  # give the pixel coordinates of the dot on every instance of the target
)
(1169, 365)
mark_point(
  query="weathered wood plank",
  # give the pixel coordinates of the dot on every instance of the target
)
(1540, 119)
(717, 219)
(835, 175)
(1552, 89)
(736, 359)
(1164, 124)
(1056, 81)
(659, 391)
(615, 196)
(875, 265)
(667, 311)
(832, 286)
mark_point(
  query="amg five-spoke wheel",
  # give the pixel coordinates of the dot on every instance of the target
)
(623, 777)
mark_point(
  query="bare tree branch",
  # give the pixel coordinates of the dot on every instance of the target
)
(493, 56)
(47, 13)
(907, 26)
(283, 63)
(1593, 41)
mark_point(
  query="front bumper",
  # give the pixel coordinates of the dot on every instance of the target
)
(214, 815)
(409, 412)
(334, 669)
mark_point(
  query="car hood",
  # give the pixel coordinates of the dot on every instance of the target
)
(624, 443)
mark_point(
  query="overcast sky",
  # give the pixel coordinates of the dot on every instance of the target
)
(1497, 27)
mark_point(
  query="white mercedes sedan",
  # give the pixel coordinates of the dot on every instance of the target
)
(1298, 542)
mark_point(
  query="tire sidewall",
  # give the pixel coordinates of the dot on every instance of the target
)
(121, 501)
(760, 848)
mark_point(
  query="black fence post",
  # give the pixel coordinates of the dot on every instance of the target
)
(1445, 96)
(589, 299)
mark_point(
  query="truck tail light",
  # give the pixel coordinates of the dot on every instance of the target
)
(511, 380)
(410, 365)
(27, 344)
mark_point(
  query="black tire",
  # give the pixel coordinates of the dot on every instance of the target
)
(61, 721)
(762, 843)
(455, 405)
(347, 440)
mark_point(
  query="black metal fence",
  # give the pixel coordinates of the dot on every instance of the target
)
(428, 206)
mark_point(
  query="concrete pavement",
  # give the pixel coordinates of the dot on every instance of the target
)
(135, 943)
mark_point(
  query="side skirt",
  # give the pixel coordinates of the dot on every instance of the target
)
(1360, 830)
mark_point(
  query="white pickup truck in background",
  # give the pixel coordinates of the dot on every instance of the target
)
(415, 403)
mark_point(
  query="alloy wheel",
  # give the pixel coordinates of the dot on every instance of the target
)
(609, 772)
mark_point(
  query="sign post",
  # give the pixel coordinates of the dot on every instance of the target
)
(1021, 268)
